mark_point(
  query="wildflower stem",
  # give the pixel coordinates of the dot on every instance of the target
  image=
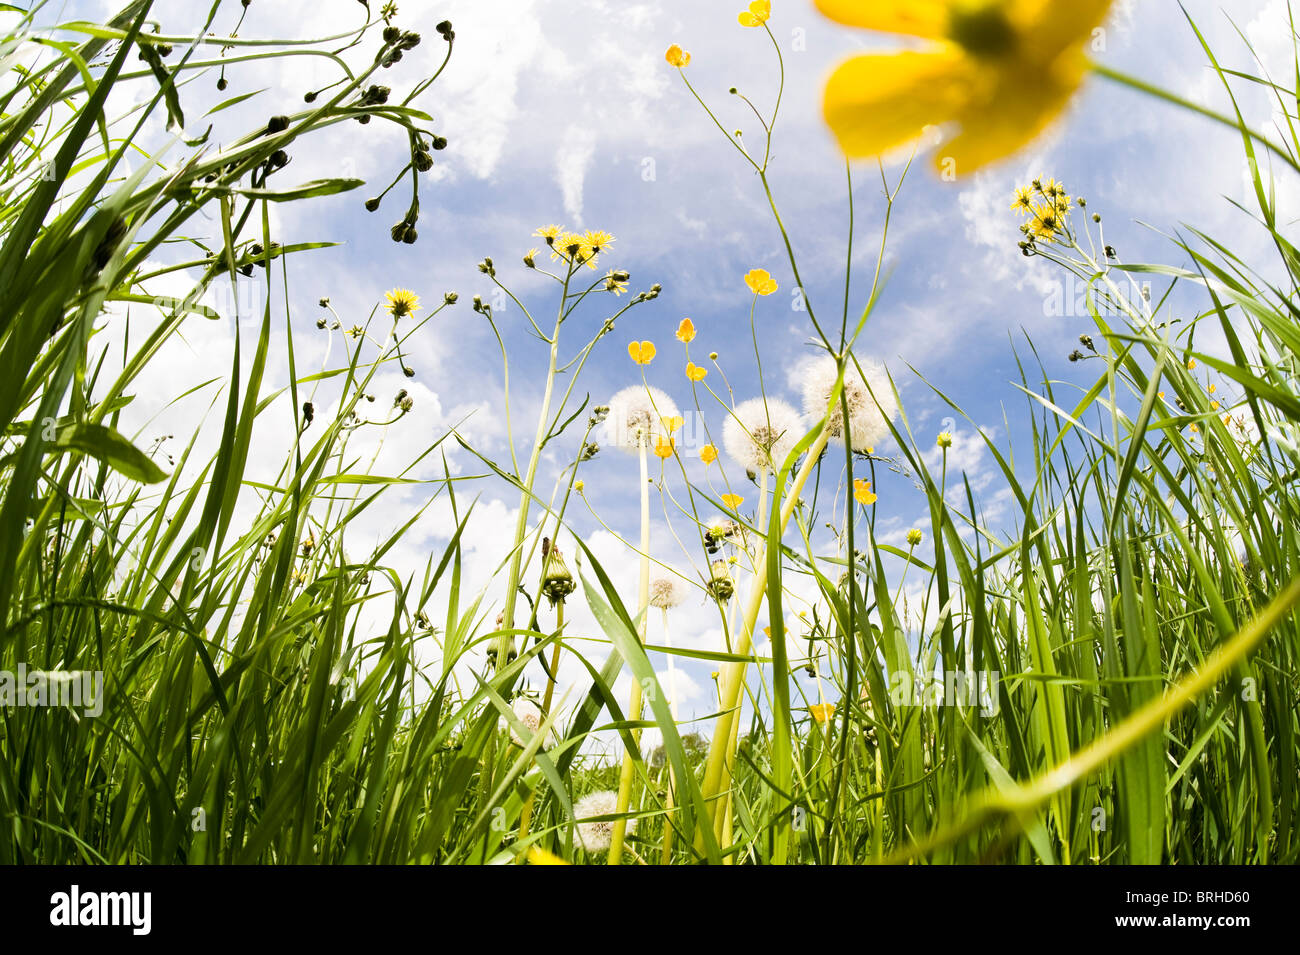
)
(715, 778)
(634, 707)
(526, 814)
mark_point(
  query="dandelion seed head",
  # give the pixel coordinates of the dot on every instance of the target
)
(760, 434)
(666, 592)
(528, 712)
(595, 836)
(637, 413)
(869, 395)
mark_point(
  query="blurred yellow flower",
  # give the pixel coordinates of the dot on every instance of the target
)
(733, 501)
(1213, 388)
(686, 331)
(663, 447)
(694, 372)
(539, 856)
(821, 712)
(708, 454)
(1023, 201)
(998, 70)
(579, 486)
(677, 56)
(756, 15)
(760, 282)
(944, 440)
(862, 492)
(672, 423)
(914, 537)
(1191, 365)
(641, 352)
(402, 302)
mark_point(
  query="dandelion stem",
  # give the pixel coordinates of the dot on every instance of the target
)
(634, 707)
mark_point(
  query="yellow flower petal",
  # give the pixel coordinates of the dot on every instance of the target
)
(821, 712)
(686, 331)
(733, 501)
(663, 447)
(862, 492)
(760, 282)
(672, 423)
(756, 15)
(926, 18)
(641, 352)
(708, 454)
(677, 56)
(694, 372)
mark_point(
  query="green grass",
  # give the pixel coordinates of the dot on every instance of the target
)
(1139, 606)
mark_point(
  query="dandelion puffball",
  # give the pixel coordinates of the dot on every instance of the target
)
(760, 433)
(667, 592)
(637, 413)
(528, 712)
(869, 395)
(595, 836)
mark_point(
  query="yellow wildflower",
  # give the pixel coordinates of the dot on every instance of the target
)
(663, 447)
(694, 372)
(402, 302)
(549, 233)
(914, 537)
(862, 492)
(672, 423)
(641, 352)
(944, 440)
(686, 331)
(999, 71)
(708, 454)
(822, 712)
(733, 501)
(677, 57)
(1023, 201)
(760, 282)
(756, 15)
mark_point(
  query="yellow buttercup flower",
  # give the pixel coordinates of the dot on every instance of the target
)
(998, 71)
(756, 15)
(402, 302)
(821, 712)
(673, 423)
(686, 331)
(760, 282)
(663, 447)
(733, 501)
(694, 372)
(677, 57)
(708, 454)
(862, 492)
(641, 352)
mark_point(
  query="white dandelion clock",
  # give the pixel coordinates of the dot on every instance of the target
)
(760, 433)
(667, 592)
(528, 712)
(869, 396)
(595, 835)
(638, 414)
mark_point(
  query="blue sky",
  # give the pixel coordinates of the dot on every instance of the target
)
(567, 113)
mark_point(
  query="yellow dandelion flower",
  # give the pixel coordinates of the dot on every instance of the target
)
(733, 501)
(694, 372)
(641, 352)
(1023, 201)
(822, 712)
(549, 233)
(530, 258)
(566, 245)
(760, 282)
(402, 302)
(686, 331)
(756, 15)
(996, 72)
(708, 454)
(862, 492)
(677, 57)
(597, 241)
(1046, 222)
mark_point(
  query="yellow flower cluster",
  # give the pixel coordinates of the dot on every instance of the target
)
(577, 248)
(1046, 205)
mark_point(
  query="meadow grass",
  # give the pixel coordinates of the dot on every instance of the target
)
(1138, 610)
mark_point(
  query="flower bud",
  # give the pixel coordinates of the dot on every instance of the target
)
(557, 582)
